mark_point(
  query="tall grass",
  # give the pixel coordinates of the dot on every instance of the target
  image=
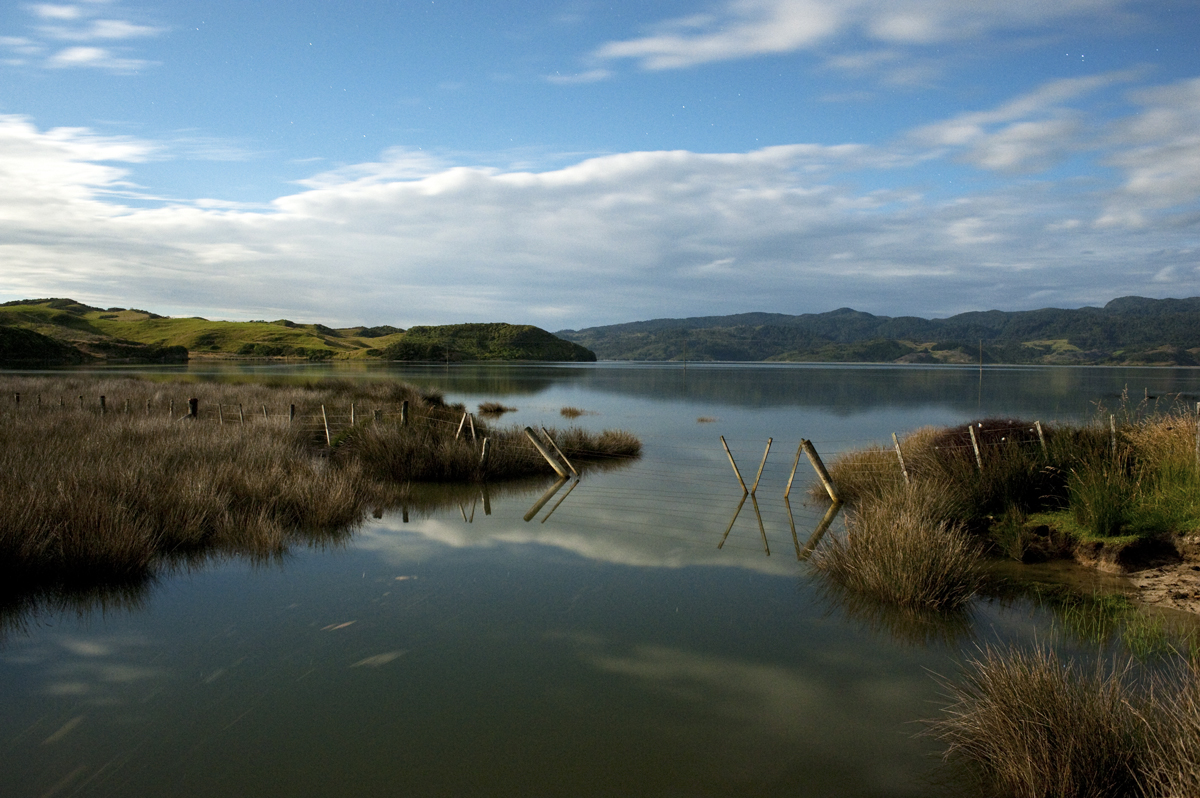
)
(1034, 725)
(112, 497)
(1031, 723)
(902, 548)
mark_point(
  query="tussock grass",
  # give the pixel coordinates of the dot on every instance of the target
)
(495, 409)
(574, 412)
(114, 497)
(902, 548)
(1032, 723)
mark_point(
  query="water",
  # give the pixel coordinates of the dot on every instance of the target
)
(605, 647)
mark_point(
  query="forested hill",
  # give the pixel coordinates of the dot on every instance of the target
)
(1130, 330)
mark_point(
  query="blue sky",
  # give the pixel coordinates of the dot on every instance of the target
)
(576, 163)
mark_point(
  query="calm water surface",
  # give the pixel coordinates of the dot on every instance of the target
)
(605, 647)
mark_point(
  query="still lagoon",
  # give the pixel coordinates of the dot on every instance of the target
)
(606, 646)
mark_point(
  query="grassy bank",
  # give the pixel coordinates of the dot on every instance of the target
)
(92, 494)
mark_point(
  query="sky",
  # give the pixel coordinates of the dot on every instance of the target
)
(573, 163)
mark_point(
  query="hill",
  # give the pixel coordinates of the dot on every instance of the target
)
(63, 331)
(1126, 331)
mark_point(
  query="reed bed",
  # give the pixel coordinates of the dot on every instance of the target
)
(92, 496)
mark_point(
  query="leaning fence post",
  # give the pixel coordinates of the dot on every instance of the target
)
(325, 418)
(975, 445)
(221, 412)
(1042, 438)
(241, 415)
(471, 424)
(761, 466)
(562, 472)
(795, 465)
(737, 473)
(900, 457)
(461, 423)
(819, 467)
(559, 452)
(483, 457)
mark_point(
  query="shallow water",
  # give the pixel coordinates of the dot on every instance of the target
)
(607, 646)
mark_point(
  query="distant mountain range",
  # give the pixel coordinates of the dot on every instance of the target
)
(1127, 331)
(38, 332)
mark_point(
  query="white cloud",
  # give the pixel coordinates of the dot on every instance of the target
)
(1158, 151)
(590, 76)
(1027, 134)
(414, 238)
(49, 11)
(748, 28)
(94, 58)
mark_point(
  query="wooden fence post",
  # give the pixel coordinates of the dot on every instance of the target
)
(736, 473)
(194, 409)
(761, 466)
(559, 452)
(404, 413)
(795, 465)
(291, 413)
(1112, 426)
(1041, 438)
(483, 457)
(241, 415)
(562, 472)
(352, 417)
(461, 424)
(900, 457)
(471, 424)
(819, 467)
(975, 445)
(221, 412)
(325, 418)
(103, 406)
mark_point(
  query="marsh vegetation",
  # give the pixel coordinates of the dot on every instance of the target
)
(110, 490)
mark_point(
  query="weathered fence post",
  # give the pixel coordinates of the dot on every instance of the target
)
(975, 445)
(562, 472)
(1112, 426)
(241, 415)
(291, 413)
(378, 415)
(325, 418)
(352, 417)
(1041, 438)
(819, 467)
(559, 452)
(404, 413)
(103, 406)
(194, 409)
(471, 424)
(221, 412)
(791, 476)
(483, 457)
(900, 457)
(761, 466)
(736, 473)
(461, 424)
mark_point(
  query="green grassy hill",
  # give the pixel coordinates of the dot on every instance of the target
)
(48, 331)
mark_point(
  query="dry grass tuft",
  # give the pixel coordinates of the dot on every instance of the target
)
(1034, 725)
(902, 548)
(495, 409)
